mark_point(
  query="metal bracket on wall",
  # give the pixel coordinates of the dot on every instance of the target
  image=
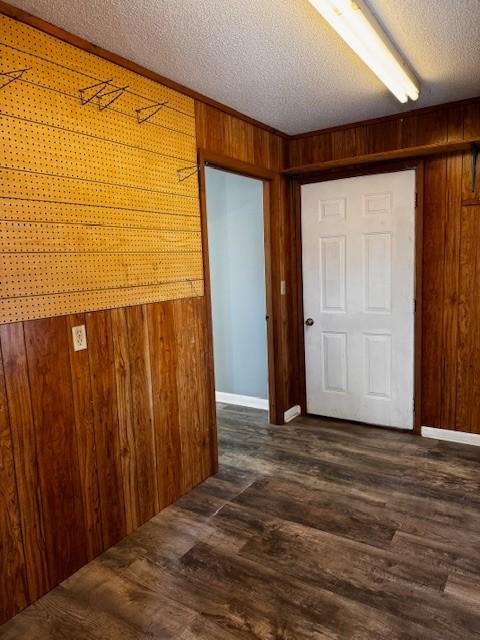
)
(473, 172)
(192, 170)
(115, 93)
(11, 76)
(85, 100)
(145, 113)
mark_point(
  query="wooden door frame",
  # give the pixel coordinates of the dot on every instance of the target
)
(353, 172)
(231, 165)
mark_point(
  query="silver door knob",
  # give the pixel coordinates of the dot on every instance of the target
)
(309, 322)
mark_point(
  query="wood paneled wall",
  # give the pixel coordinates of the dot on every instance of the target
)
(94, 443)
(450, 375)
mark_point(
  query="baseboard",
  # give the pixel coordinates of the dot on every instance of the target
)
(292, 413)
(451, 436)
(242, 401)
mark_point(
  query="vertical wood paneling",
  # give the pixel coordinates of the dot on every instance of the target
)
(205, 391)
(26, 462)
(13, 591)
(163, 359)
(135, 414)
(382, 136)
(142, 413)
(105, 412)
(126, 433)
(344, 143)
(229, 136)
(54, 420)
(471, 129)
(453, 218)
(85, 431)
(431, 127)
(433, 288)
(188, 400)
(467, 353)
(408, 136)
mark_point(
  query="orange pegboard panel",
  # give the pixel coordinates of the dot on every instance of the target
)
(16, 309)
(28, 40)
(92, 212)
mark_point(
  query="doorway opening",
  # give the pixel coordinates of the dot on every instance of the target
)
(236, 253)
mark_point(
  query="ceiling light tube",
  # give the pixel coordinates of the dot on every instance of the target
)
(353, 21)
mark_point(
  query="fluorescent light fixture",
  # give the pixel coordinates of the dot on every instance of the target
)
(353, 21)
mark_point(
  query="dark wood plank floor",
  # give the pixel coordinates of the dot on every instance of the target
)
(313, 530)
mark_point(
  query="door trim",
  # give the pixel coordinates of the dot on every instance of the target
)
(390, 167)
(224, 163)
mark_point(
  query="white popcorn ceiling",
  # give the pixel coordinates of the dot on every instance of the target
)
(277, 60)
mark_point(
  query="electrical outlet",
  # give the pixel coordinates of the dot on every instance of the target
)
(79, 337)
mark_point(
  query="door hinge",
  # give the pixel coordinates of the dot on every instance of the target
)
(416, 199)
(414, 305)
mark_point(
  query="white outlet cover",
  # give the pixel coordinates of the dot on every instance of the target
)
(79, 337)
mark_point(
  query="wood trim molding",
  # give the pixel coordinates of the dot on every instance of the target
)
(23, 16)
(225, 163)
(233, 165)
(384, 156)
(418, 305)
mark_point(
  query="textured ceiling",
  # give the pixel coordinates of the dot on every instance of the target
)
(277, 60)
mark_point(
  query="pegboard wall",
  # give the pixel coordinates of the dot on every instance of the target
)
(99, 203)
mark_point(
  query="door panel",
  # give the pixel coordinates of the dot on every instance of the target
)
(332, 260)
(358, 273)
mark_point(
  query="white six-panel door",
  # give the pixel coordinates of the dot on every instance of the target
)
(358, 238)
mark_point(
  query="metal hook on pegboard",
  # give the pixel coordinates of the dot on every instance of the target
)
(85, 100)
(116, 93)
(145, 113)
(192, 170)
(11, 77)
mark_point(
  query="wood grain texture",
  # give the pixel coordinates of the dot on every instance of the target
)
(98, 441)
(54, 421)
(434, 207)
(86, 445)
(163, 356)
(311, 530)
(374, 157)
(107, 412)
(13, 594)
(19, 406)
